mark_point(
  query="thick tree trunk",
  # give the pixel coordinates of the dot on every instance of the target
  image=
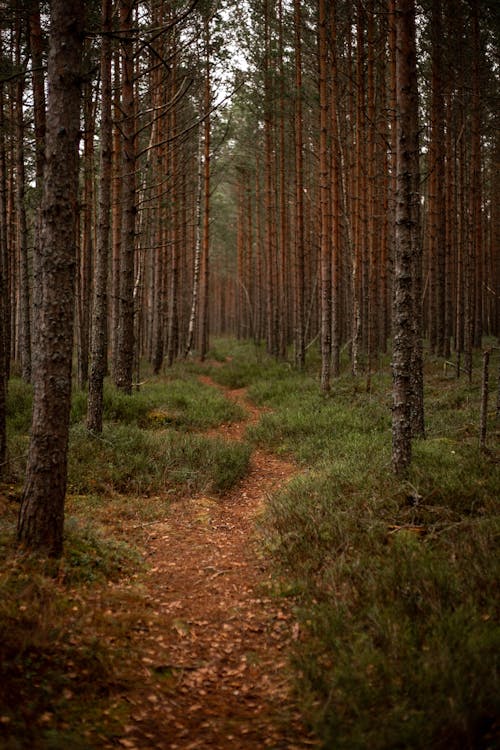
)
(41, 516)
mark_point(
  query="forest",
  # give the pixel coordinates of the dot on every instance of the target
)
(249, 374)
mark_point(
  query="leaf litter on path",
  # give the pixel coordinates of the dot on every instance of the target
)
(215, 651)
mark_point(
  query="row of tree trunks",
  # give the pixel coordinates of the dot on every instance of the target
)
(361, 137)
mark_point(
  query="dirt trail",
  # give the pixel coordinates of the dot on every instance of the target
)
(215, 665)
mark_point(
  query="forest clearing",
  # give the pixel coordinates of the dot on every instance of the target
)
(249, 374)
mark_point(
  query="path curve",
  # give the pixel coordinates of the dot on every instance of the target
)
(216, 653)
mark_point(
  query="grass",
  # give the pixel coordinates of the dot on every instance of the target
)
(395, 580)
(65, 626)
(131, 460)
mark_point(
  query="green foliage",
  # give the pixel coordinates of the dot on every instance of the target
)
(128, 459)
(19, 404)
(397, 580)
(182, 401)
(241, 372)
(90, 555)
(191, 404)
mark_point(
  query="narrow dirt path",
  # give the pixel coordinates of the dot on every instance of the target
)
(215, 666)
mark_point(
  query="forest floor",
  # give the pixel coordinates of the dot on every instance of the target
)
(215, 649)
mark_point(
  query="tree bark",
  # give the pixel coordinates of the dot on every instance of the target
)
(300, 348)
(41, 516)
(406, 221)
(124, 355)
(100, 305)
(22, 229)
(325, 206)
(205, 254)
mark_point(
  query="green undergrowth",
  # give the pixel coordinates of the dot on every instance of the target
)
(131, 460)
(396, 581)
(177, 400)
(65, 626)
(148, 443)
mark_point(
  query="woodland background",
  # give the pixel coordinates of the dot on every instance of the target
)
(288, 197)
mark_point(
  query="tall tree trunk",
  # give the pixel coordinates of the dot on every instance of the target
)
(436, 208)
(477, 259)
(4, 298)
(3, 369)
(116, 210)
(406, 252)
(325, 206)
(197, 252)
(41, 516)
(300, 348)
(173, 297)
(22, 229)
(124, 356)
(84, 270)
(4, 253)
(336, 210)
(359, 228)
(100, 305)
(205, 255)
(38, 84)
(283, 201)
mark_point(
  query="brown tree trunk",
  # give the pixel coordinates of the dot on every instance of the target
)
(325, 206)
(4, 317)
(283, 201)
(38, 83)
(4, 253)
(299, 282)
(41, 516)
(124, 356)
(477, 257)
(406, 226)
(84, 270)
(195, 291)
(359, 228)
(205, 254)
(336, 201)
(22, 229)
(173, 296)
(100, 306)
(116, 211)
